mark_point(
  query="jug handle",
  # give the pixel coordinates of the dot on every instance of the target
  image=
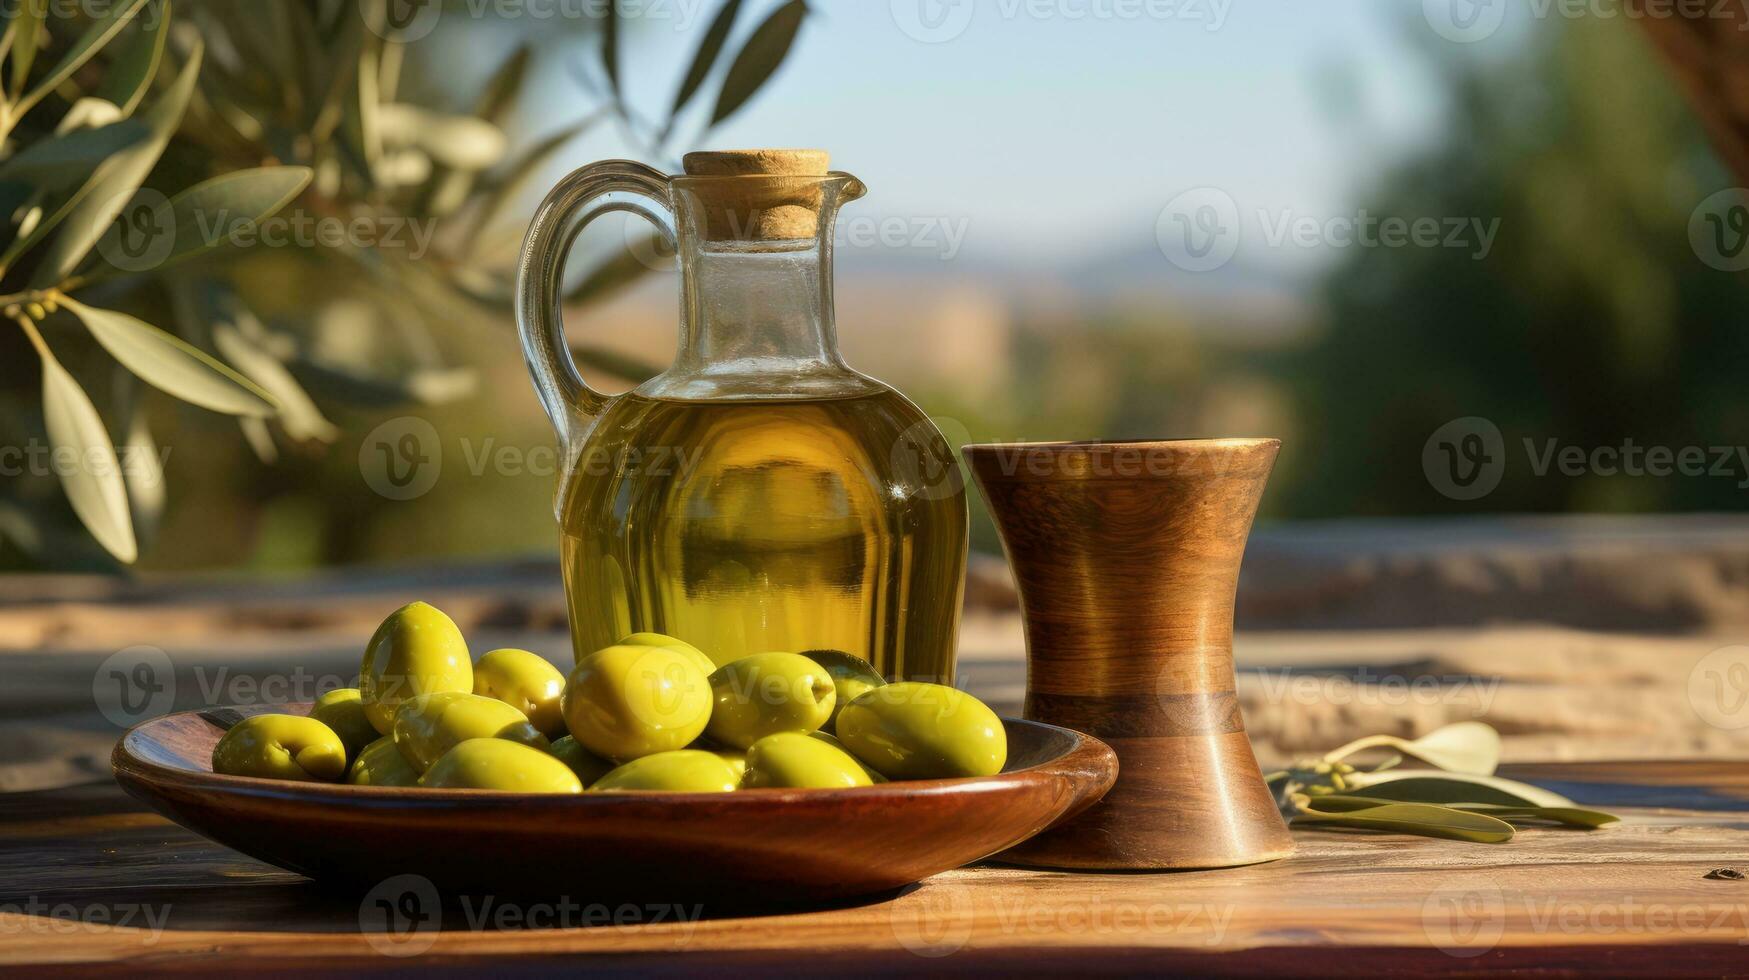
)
(583, 196)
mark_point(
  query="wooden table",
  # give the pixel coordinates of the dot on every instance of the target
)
(89, 881)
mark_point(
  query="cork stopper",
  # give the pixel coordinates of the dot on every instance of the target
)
(783, 204)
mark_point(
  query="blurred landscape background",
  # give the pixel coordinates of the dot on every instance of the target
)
(1014, 268)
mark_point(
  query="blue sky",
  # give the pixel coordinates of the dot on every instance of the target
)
(1051, 130)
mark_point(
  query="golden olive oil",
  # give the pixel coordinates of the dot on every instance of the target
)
(747, 526)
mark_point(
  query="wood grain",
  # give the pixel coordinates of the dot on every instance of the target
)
(1127, 559)
(756, 845)
(1629, 900)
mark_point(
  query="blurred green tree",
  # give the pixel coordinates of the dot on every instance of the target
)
(1592, 322)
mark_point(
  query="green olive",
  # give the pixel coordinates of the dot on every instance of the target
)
(791, 759)
(343, 711)
(281, 747)
(417, 650)
(588, 766)
(623, 702)
(381, 764)
(829, 739)
(431, 724)
(680, 771)
(851, 676)
(737, 760)
(526, 682)
(913, 730)
(768, 693)
(697, 656)
(494, 763)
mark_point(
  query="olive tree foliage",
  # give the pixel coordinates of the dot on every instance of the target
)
(149, 147)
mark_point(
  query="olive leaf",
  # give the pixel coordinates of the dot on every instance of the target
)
(302, 419)
(52, 164)
(1421, 819)
(144, 470)
(610, 48)
(505, 189)
(95, 37)
(759, 58)
(94, 485)
(501, 90)
(26, 39)
(129, 74)
(709, 48)
(115, 182)
(1466, 746)
(1450, 787)
(208, 215)
(172, 365)
(1568, 815)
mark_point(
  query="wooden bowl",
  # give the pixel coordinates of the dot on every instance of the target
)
(766, 847)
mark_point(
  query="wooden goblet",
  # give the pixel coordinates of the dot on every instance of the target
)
(1127, 558)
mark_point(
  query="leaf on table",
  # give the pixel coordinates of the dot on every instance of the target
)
(1571, 816)
(1466, 746)
(1421, 819)
(171, 364)
(115, 183)
(1450, 787)
(759, 58)
(94, 483)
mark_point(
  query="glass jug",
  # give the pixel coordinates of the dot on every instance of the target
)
(759, 494)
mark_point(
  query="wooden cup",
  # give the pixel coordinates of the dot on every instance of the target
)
(1127, 559)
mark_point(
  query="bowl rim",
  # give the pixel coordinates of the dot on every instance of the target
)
(1084, 754)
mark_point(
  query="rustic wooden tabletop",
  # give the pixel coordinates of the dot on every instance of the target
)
(91, 881)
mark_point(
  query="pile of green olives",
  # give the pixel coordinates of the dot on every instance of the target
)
(651, 713)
